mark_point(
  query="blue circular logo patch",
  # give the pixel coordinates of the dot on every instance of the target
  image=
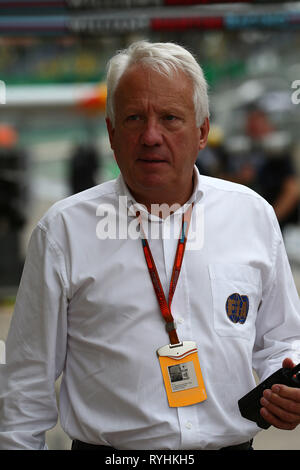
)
(237, 307)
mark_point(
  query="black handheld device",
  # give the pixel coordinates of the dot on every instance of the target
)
(249, 404)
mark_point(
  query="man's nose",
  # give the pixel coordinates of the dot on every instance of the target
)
(152, 133)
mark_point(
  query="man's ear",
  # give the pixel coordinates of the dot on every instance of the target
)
(204, 131)
(111, 131)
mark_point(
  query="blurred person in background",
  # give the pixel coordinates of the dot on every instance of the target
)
(213, 159)
(277, 179)
(242, 164)
(258, 124)
(14, 198)
(83, 167)
(94, 307)
(262, 159)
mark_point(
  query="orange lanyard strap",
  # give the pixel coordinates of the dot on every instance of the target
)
(165, 307)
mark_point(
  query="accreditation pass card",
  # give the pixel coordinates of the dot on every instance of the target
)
(182, 374)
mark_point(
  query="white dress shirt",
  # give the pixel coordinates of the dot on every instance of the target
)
(86, 308)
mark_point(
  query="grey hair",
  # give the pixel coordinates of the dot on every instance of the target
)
(165, 58)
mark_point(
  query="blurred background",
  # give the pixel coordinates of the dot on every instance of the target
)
(53, 140)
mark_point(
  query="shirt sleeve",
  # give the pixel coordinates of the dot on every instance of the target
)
(278, 318)
(35, 348)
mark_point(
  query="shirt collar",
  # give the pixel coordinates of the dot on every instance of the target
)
(133, 206)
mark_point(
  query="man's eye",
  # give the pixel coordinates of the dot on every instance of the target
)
(133, 117)
(170, 117)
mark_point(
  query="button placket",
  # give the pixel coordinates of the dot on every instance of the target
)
(188, 422)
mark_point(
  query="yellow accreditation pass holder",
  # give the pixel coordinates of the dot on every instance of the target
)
(182, 374)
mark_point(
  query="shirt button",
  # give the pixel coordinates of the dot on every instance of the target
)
(188, 425)
(180, 320)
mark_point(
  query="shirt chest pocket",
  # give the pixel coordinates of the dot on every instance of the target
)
(236, 295)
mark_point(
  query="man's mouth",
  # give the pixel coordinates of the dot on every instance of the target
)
(152, 160)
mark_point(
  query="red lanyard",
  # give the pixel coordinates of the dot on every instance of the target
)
(165, 306)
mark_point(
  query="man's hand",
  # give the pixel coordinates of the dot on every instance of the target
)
(281, 404)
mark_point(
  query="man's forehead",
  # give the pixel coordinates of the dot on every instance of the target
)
(139, 78)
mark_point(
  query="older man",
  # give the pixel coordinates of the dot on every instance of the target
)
(156, 329)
